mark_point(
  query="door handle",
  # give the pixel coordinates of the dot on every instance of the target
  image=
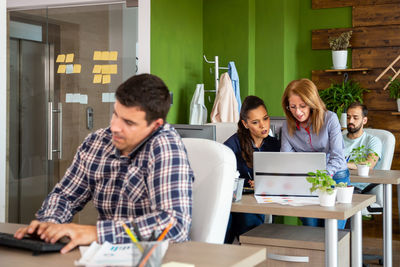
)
(278, 257)
(50, 126)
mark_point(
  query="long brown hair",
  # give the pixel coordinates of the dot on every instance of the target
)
(308, 92)
(251, 102)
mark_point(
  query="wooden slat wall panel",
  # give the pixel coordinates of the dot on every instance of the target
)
(317, 4)
(384, 120)
(397, 136)
(379, 57)
(376, 15)
(376, 36)
(323, 79)
(396, 161)
(379, 100)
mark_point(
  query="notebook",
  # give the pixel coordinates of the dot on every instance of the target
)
(284, 173)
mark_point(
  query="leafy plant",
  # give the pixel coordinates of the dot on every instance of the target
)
(338, 97)
(342, 42)
(341, 184)
(360, 155)
(394, 89)
(322, 181)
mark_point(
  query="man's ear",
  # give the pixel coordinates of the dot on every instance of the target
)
(365, 120)
(157, 123)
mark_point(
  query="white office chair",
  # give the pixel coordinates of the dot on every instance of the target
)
(214, 167)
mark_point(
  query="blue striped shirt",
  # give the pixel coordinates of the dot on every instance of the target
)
(329, 140)
(147, 189)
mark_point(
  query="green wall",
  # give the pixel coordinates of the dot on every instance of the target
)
(176, 50)
(269, 41)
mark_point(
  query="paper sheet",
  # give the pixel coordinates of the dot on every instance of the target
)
(292, 201)
(69, 58)
(97, 55)
(60, 58)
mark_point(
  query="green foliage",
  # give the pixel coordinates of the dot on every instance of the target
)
(340, 43)
(322, 181)
(360, 154)
(394, 89)
(341, 184)
(338, 97)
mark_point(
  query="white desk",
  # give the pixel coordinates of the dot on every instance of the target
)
(248, 204)
(387, 178)
(200, 254)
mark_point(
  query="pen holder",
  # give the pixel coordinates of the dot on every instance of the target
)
(238, 189)
(152, 255)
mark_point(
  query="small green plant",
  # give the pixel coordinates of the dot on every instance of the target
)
(322, 181)
(359, 155)
(341, 184)
(339, 96)
(394, 89)
(340, 43)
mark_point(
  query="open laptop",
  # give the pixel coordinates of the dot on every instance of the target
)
(284, 173)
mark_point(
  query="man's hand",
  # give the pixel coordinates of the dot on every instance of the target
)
(51, 232)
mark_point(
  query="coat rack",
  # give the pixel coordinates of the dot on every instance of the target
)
(390, 67)
(216, 72)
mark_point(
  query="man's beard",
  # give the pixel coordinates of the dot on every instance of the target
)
(353, 130)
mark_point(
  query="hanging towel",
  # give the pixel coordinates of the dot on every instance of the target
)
(235, 82)
(225, 107)
(198, 111)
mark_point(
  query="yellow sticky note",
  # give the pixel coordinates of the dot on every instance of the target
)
(113, 55)
(105, 55)
(97, 55)
(69, 58)
(77, 68)
(106, 79)
(60, 58)
(96, 69)
(105, 69)
(61, 68)
(113, 69)
(97, 78)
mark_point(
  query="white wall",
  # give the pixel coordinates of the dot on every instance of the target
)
(3, 108)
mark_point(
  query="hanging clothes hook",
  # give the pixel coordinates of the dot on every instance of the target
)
(345, 77)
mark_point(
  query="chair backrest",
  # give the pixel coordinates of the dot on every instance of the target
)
(214, 167)
(388, 142)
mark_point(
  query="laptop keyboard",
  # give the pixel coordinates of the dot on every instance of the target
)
(36, 245)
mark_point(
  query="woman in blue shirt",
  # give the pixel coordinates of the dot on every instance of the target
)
(252, 135)
(309, 127)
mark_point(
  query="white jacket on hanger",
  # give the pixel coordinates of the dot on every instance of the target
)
(198, 111)
(225, 107)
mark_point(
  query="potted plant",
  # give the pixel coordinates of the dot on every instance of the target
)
(394, 92)
(339, 47)
(344, 192)
(339, 96)
(359, 156)
(323, 183)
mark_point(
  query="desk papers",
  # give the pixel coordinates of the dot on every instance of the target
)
(286, 200)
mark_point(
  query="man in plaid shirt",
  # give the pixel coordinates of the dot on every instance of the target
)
(136, 172)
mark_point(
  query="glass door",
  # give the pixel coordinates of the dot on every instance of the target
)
(65, 65)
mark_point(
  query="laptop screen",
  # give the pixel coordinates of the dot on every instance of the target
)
(284, 173)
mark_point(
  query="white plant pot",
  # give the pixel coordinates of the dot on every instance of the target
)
(398, 104)
(362, 170)
(343, 120)
(345, 194)
(327, 200)
(339, 59)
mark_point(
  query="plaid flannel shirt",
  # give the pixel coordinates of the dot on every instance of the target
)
(147, 189)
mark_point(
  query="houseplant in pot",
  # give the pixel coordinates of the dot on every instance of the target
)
(323, 183)
(339, 47)
(339, 96)
(344, 192)
(360, 156)
(394, 92)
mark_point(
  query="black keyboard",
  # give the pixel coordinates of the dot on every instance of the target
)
(34, 244)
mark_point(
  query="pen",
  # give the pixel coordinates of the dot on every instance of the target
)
(251, 178)
(132, 236)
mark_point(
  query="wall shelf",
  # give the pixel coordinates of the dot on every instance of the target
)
(339, 72)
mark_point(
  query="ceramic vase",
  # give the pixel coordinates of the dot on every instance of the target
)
(345, 194)
(362, 170)
(327, 200)
(339, 59)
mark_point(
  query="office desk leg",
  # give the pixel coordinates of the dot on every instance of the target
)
(331, 243)
(356, 240)
(387, 225)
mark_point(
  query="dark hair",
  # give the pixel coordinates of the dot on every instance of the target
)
(251, 102)
(147, 92)
(364, 108)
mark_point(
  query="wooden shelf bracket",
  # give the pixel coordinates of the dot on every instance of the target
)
(390, 67)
